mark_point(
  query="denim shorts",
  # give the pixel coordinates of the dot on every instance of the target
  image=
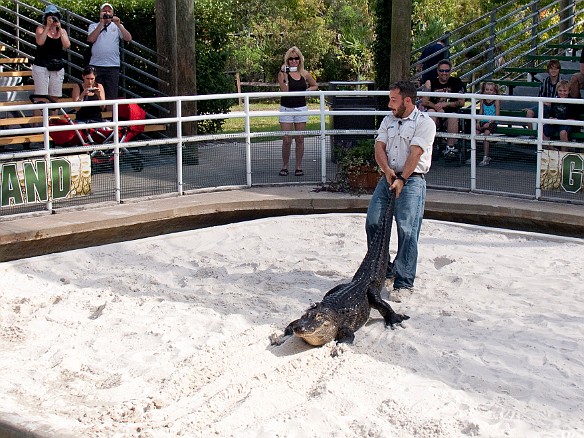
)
(290, 117)
(550, 130)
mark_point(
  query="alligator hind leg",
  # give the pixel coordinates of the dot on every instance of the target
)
(389, 316)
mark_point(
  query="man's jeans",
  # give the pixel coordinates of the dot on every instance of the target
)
(109, 77)
(408, 214)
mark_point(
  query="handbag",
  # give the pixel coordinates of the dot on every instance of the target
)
(54, 64)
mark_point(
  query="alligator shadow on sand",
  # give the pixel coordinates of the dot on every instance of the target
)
(346, 307)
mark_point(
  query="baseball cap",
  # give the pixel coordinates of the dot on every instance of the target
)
(51, 9)
(104, 5)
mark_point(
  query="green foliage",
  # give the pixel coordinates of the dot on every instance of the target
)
(213, 25)
(361, 154)
(334, 36)
(353, 23)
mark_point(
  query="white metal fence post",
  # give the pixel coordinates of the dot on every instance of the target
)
(179, 149)
(322, 138)
(248, 170)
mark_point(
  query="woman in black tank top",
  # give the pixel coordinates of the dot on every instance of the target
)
(293, 77)
(89, 90)
(51, 39)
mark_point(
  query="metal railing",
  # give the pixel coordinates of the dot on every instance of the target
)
(522, 165)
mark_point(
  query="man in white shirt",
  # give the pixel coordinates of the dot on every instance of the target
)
(403, 151)
(105, 36)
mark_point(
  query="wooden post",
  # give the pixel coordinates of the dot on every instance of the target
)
(166, 47)
(187, 81)
(175, 33)
(401, 41)
(185, 43)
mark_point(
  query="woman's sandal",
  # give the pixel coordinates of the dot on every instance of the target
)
(299, 172)
(284, 172)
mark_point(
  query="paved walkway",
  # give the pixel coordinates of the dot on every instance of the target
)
(71, 229)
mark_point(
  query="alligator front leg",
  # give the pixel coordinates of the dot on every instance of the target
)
(276, 339)
(345, 336)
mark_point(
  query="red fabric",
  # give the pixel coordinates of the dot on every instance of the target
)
(130, 111)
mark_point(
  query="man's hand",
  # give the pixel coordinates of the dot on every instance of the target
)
(440, 106)
(393, 181)
(397, 185)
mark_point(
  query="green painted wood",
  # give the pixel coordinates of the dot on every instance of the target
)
(516, 83)
(535, 70)
(548, 57)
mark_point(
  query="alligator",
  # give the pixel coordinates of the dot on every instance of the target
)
(346, 308)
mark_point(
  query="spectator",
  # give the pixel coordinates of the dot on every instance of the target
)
(403, 151)
(89, 90)
(293, 77)
(444, 83)
(547, 88)
(51, 39)
(561, 111)
(105, 51)
(577, 80)
(488, 107)
(436, 49)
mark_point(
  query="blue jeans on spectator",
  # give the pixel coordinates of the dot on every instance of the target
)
(408, 214)
(109, 77)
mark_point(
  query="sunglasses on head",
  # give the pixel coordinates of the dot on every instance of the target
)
(294, 58)
(444, 70)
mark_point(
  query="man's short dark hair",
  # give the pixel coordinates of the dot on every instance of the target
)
(406, 89)
(444, 61)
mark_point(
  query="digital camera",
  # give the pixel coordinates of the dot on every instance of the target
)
(107, 16)
(289, 69)
(56, 17)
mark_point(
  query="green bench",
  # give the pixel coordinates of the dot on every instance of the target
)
(536, 70)
(548, 57)
(514, 131)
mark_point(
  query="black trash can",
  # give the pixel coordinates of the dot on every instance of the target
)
(348, 103)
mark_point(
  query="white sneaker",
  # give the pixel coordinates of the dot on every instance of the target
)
(485, 162)
(450, 152)
(398, 294)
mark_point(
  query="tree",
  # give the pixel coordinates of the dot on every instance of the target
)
(383, 12)
(353, 22)
(174, 35)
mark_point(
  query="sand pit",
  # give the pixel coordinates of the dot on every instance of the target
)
(168, 336)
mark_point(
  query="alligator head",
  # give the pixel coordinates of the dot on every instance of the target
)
(317, 326)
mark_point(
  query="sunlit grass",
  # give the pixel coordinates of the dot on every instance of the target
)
(265, 123)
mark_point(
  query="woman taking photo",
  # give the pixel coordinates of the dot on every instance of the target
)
(293, 77)
(48, 69)
(89, 90)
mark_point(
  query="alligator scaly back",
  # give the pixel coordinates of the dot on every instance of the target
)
(346, 308)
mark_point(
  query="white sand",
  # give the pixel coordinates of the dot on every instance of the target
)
(168, 336)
